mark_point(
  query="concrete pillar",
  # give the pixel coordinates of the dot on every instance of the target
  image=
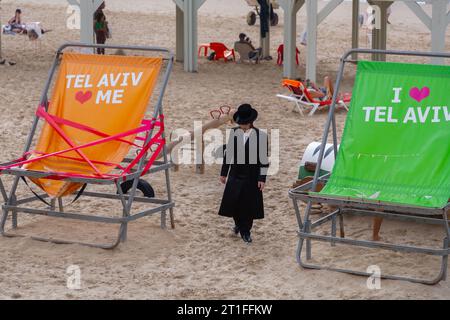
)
(355, 27)
(179, 54)
(311, 57)
(290, 8)
(87, 10)
(190, 30)
(437, 24)
(379, 35)
(438, 28)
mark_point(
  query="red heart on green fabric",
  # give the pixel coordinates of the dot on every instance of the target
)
(419, 95)
(83, 97)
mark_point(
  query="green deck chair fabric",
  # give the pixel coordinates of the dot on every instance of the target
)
(396, 142)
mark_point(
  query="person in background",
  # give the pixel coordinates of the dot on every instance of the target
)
(15, 22)
(244, 172)
(255, 53)
(100, 27)
(323, 93)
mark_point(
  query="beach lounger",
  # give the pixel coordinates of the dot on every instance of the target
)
(222, 52)
(303, 100)
(95, 132)
(393, 161)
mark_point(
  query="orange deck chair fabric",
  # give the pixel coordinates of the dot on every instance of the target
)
(108, 93)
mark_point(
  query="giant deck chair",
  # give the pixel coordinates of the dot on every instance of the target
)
(393, 161)
(95, 132)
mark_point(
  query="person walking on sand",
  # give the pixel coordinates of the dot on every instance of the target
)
(100, 27)
(244, 172)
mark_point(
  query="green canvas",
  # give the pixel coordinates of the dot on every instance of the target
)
(396, 142)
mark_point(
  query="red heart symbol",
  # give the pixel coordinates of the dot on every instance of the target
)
(83, 97)
(419, 95)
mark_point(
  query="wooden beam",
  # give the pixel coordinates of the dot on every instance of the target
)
(179, 4)
(419, 12)
(329, 7)
(97, 4)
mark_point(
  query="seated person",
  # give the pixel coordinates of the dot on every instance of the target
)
(322, 93)
(15, 23)
(254, 54)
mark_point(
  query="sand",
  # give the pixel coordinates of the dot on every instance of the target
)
(200, 259)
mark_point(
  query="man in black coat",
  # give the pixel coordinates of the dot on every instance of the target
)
(245, 164)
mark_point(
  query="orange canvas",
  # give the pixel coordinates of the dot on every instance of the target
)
(107, 93)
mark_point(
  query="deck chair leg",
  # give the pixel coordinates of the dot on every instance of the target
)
(3, 192)
(12, 197)
(60, 205)
(445, 260)
(169, 191)
(3, 220)
(341, 224)
(308, 241)
(446, 246)
(14, 218)
(299, 108)
(333, 230)
(53, 204)
(314, 109)
(123, 231)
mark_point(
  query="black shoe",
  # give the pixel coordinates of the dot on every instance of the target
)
(236, 230)
(246, 237)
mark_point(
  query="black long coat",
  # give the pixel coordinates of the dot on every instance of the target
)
(245, 165)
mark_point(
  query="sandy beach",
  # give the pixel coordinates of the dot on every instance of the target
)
(201, 259)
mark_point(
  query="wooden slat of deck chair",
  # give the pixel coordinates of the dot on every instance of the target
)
(396, 142)
(107, 93)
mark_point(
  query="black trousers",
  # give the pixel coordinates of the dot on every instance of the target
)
(101, 39)
(244, 223)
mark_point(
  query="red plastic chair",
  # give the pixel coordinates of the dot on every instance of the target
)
(281, 55)
(203, 47)
(221, 51)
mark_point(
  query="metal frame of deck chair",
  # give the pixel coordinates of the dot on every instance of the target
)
(14, 205)
(362, 207)
(304, 100)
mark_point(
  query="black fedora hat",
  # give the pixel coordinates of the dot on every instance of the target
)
(245, 114)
